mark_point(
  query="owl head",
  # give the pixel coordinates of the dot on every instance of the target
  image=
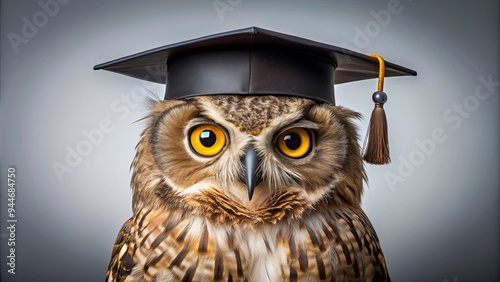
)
(248, 158)
(221, 146)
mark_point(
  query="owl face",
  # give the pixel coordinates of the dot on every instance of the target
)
(249, 153)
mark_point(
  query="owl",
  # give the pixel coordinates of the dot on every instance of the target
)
(248, 171)
(248, 188)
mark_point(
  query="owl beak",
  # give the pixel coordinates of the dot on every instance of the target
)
(250, 164)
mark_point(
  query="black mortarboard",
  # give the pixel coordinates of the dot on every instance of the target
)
(253, 61)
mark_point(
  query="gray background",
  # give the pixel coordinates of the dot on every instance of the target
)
(435, 208)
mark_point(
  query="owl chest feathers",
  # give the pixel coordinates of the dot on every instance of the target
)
(175, 246)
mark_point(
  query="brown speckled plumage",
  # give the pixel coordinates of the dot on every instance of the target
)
(193, 220)
(253, 115)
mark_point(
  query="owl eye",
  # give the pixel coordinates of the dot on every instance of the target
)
(295, 143)
(207, 140)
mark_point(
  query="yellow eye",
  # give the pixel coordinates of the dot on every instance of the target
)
(207, 140)
(295, 142)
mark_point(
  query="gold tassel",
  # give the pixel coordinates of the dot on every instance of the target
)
(377, 149)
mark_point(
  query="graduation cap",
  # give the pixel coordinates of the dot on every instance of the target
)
(255, 61)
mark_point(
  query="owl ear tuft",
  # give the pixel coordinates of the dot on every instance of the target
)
(158, 107)
(377, 147)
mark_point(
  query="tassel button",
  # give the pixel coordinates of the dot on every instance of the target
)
(379, 97)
